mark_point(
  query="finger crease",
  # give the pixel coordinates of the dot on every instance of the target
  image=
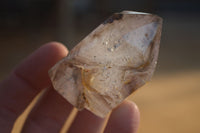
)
(8, 112)
(26, 81)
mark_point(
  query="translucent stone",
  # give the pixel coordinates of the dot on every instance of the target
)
(110, 63)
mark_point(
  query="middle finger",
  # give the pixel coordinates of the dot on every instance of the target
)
(49, 114)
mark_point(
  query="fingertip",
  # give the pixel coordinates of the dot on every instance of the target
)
(56, 49)
(131, 112)
(129, 107)
(35, 67)
(124, 119)
(128, 112)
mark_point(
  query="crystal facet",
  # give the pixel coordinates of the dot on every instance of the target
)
(114, 60)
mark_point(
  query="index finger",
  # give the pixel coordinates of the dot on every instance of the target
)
(26, 81)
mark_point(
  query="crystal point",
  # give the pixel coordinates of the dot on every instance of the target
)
(110, 63)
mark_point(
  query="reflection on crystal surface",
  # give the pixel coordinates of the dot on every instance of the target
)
(109, 64)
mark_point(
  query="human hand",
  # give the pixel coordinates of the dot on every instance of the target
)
(30, 77)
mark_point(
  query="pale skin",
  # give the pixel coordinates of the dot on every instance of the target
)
(30, 77)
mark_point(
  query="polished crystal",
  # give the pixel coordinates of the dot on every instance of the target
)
(110, 63)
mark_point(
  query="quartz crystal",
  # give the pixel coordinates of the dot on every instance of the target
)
(109, 64)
